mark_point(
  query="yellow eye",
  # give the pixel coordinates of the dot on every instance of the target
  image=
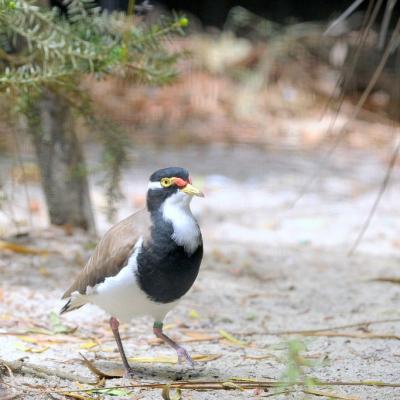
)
(165, 182)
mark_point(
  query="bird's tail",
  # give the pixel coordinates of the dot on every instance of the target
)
(73, 303)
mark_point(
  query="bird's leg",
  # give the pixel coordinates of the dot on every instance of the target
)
(181, 352)
(114, 324)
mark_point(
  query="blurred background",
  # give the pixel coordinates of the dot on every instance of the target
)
(286, 114)
(267, 96)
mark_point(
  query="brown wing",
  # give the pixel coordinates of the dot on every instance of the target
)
(112, 252)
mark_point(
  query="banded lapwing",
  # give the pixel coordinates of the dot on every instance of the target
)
(147, 262)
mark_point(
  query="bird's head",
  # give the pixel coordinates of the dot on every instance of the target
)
(172, 183)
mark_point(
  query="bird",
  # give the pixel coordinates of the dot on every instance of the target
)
(145, 263)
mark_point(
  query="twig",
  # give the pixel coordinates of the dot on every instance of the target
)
(382, 190)
(42, 372)
(330, 395)
(222, 385)
(344, 15)
(330, 329)
(385, 22)
(372, 13)
(385, 336)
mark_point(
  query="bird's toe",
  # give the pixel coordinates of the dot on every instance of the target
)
(184, 356)
(129, 373)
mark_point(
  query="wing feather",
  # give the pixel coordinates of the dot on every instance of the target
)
(112, 252)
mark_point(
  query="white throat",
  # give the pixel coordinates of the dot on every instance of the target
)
(176, 209)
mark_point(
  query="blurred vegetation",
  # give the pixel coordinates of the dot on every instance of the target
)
(39, 46)
(44, 56)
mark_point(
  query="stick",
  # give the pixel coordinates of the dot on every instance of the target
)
(222, 385)
(42, 372)
(312, 331)
(378, 197)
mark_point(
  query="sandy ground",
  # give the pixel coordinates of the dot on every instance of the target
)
(269, 268)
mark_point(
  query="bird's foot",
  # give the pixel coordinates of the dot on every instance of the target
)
(129, 373)
(184, 356)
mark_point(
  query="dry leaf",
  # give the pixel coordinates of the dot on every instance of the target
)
(194, 314)
(32, 349)
(330, 395)
(161, 359)
(29, 339)
(57, 326)
(232, 385)
(206, 357)
(236, 378)
(46, 341)
(261, 357)
(231, 338)
(165, 393)
(173, 359)
(77, 396)
(97, 372)
(17, 248)
(88, 345)
(44, 271)
(388, 280)
(120, 392)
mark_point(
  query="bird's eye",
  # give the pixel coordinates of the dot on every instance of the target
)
(166, 182)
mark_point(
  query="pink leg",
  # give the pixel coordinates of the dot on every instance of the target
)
(182, 353)
(114, 324)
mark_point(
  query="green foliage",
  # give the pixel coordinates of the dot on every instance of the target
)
(41, 50)
(40, 47)
(295, 373)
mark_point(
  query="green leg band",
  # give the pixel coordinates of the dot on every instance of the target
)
(158, 325)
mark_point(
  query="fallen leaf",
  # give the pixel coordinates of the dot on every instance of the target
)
(32, 349)
(120, 392)
(57, 326)
(394, 280)
(206, 357)
(232, 385)
(89, 344)
(44, 271)
(99, 373)
(41, 331)
(260, 357)
(330, 395)
(194, 314)
(47, 341)
(17, 248)
(77, 396)
(235, 378)
(173, 359)
(29, 339)
(226, 335)
(165, 393)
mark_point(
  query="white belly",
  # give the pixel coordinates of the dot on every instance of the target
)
(121, 296)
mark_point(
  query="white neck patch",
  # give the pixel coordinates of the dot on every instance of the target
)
(176, 209)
